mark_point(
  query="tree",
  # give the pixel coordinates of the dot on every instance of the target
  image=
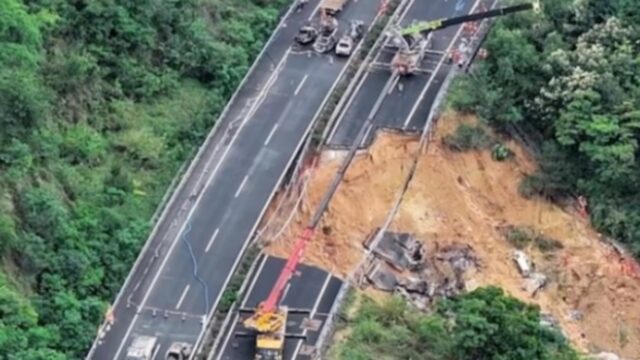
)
(490, 325)
(483, 324)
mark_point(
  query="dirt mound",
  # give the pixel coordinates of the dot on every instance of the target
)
(468, 198)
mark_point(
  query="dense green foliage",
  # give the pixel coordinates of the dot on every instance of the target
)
(482, 325)
(101, 101)
(570, 76)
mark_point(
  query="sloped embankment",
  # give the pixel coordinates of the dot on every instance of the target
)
(468, 198)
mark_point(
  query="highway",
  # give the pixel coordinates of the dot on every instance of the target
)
(406, 109)
(198, 242)
(313, 290)
(408, 105)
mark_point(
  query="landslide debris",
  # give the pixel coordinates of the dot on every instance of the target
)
(468, 199)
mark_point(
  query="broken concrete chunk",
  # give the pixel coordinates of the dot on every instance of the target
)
(381, 277)
(575, 315)
(400, 250)
(534, 283)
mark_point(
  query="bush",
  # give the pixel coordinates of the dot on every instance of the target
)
(501, 152)
(483, 324)
(520, 237)
(467, 137)
(546, 244)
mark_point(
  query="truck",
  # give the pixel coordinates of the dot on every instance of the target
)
(142, 348)
(332, 7)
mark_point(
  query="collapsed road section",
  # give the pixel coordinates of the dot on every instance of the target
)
(267, 323)
(179, 277)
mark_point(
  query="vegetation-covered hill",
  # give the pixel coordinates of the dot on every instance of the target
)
(571, 75)
(101, 101)
(483, 324)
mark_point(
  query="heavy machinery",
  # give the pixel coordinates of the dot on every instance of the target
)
(413, 41)
(269, 321)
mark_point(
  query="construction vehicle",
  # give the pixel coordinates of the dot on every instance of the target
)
(332, 7)
(142, 348)
(269, 320)
(350, 38)
(414, 41)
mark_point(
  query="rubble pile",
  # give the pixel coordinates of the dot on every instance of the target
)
(399, 264)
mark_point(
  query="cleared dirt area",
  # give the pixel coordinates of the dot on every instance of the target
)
(468, 198)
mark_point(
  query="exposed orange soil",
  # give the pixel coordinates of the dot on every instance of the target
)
(467, 198)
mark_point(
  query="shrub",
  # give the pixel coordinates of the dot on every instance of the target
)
(467, 137)
(520, 237)
(501, 152)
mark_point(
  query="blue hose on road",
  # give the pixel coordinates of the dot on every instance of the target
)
(195, 267)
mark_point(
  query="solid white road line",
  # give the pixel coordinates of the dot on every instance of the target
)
(435, 72)
(315, 10)
(184, 294)
(253, 282)
(273, 131)
(313, 313)
(285, 292)
(213, 237)
(304, 79)
(242, 184)
(193, 208)
(155, 352)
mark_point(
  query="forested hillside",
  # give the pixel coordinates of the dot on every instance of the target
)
(101, 101)
(483, 324)
(570, 77)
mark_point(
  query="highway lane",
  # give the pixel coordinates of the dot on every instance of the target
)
(172, 299)
(312, 289)
(407, 106)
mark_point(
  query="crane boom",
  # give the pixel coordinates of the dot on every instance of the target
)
(425, 27)
(271, 303)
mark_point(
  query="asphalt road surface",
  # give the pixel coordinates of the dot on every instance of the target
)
(312, 290)
(408, 104)
(180, 276)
